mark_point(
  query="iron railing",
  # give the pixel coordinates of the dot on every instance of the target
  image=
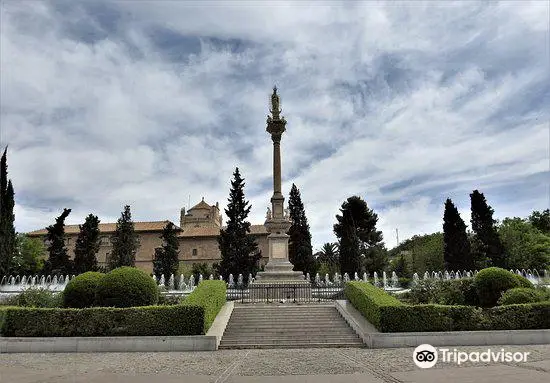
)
(289, 293)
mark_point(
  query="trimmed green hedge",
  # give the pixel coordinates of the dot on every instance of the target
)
(81, 291)
(519, 317)
(520, 295)
(211, 296)
(127, 287)
(102, 321)
(426, 318)
(370, 301)
(388, 314)
(492, 282)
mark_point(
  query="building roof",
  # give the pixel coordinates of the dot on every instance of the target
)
(201, 205)
(215, 231)
(110, 228)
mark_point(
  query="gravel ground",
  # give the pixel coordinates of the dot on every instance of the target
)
(274, 362)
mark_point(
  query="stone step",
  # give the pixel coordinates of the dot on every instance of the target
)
(288, 325)
(320, 338)
(297, 331)
(230, 346)
(287, 318)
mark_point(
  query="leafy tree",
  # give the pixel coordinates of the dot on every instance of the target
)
(7, 217)
(203, 269)
(30, 256)
(125, 242)
(487, 242)
(87, 246)
(356, 232)
(525, 246)
(239, 250)
(375, 258)
(456, 251)
(400, 265)
(421, 253)
(166, 257)
(541, 220)
(300, 251)
(58, 261)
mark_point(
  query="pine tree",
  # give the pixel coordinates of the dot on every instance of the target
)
(166, 257)
(125, 242)
(7, 218)
(87, 246)
(456, 245)
(239, 250)
(58, 260)
(300, 251)
(488, 243)
(357, 234)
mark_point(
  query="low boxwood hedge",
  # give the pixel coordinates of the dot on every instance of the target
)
(369, 300)
(426, 318)
(211, 296)
(102, 321)
(388, 314)
(520, 295)
(519, 317)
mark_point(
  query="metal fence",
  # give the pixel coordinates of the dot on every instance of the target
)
(289, 293)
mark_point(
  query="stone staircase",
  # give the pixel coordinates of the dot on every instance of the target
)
(288, 326)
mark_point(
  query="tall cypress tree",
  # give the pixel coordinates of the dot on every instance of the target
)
(239, 250)
(7, 217)
(488, 243)
(166, 257)
(87, 246)
(350, 246)
(300, 251)
(125, 242)
(456, 245)
(58, 261)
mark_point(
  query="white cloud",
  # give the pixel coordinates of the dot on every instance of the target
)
(434, 99)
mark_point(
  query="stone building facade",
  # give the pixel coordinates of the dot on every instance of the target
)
(198, 230)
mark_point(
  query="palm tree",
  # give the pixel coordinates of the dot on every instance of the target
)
(329, 253)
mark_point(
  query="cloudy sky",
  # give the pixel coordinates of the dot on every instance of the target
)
(147, 103)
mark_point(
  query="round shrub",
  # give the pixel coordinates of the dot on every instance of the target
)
(81, 291)
(523, 282)
(127, 287)
(492, 282)
(519, 295)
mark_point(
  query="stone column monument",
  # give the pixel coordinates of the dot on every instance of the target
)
(278, 269)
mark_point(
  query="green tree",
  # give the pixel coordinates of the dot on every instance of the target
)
(30, 255)
(400, 265)
(58, 261)
(456, 250)
(300, 251)
(87, 246)
(239, 250)
(125, 242)
(541, 220)
(488, 244)
(329, 253)
(356, 233)
(421, 253)
(7, 217)
(166, 257)
(526, 247)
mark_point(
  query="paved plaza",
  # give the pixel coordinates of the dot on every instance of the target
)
(283, 365)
